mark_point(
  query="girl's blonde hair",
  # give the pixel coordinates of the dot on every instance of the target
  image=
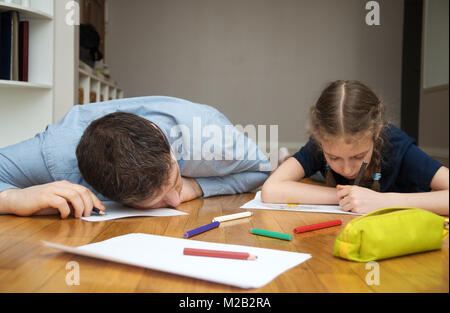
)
(350, 109)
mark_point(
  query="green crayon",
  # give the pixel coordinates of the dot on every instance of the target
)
(269, 233)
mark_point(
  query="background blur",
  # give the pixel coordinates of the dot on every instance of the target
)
(266, 61)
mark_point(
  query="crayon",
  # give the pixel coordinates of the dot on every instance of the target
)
(269, 233)
(201, 229)
(231, 217)
(306, 228)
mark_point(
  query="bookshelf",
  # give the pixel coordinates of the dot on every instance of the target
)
(19, 84)
(95, 87)
(27, 107)
(31, 12)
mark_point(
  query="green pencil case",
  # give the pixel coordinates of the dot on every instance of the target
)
(390, 232)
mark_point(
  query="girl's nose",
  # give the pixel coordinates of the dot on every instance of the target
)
(348, 170)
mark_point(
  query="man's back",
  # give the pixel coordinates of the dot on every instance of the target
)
(203, 140)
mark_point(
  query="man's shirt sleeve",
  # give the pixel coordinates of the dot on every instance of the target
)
(228, 162)
(231, 184)
(22, 165)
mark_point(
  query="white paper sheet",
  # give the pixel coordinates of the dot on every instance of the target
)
(166, 254)
(256, 203)
(116, 210)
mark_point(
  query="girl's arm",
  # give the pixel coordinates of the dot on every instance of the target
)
(362, 200)
(436, 201)
(283, 186)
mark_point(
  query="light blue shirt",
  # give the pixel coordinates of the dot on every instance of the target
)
(205, 143)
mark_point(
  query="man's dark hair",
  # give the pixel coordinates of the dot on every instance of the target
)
(124, 157)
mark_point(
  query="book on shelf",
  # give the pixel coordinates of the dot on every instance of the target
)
(92, 97)
(5, 45)
(80, 96)
(14, 42)
(23, 50)
(15, 47)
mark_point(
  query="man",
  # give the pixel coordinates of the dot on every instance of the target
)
(146, 152)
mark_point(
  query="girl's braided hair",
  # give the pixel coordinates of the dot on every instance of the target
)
(349, 108)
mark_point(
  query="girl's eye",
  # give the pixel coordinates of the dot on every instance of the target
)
(359, 157)
(333, 159)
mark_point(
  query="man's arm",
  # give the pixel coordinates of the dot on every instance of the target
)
(22, 165)
(60, 195)
(26, 186)
(231, 184)
(191, 190)
(225, 161)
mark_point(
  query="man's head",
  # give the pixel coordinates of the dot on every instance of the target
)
(128, 159)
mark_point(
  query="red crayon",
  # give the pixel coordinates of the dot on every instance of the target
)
(219, 254)
(303, 229)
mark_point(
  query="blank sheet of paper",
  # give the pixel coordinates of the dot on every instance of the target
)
(257, 203)
(116, 210)
(166, 254)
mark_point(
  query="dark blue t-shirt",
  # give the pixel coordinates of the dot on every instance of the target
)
(404, 167)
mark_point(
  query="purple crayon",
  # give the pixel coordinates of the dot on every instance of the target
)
(201, 229)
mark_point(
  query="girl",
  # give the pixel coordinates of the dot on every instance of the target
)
(348, 128)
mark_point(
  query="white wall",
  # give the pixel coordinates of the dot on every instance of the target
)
(435, 54)
(434, 107)
(66, 61)
(258, 61)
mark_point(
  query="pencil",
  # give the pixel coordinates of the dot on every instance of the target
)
(219, 254)
(360, 174)
(95, 210)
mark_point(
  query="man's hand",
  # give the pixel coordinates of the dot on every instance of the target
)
(359, 199)
(190, 190)
(60, 195)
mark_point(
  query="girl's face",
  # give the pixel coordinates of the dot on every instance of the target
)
(345, 155)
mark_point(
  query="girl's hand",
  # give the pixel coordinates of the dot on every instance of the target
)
(359, 199)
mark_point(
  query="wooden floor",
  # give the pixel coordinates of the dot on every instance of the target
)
(27, 266)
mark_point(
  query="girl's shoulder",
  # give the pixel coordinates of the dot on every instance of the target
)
(395, 145)
(396, 138)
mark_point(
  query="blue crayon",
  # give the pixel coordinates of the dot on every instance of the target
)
(201, 229)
